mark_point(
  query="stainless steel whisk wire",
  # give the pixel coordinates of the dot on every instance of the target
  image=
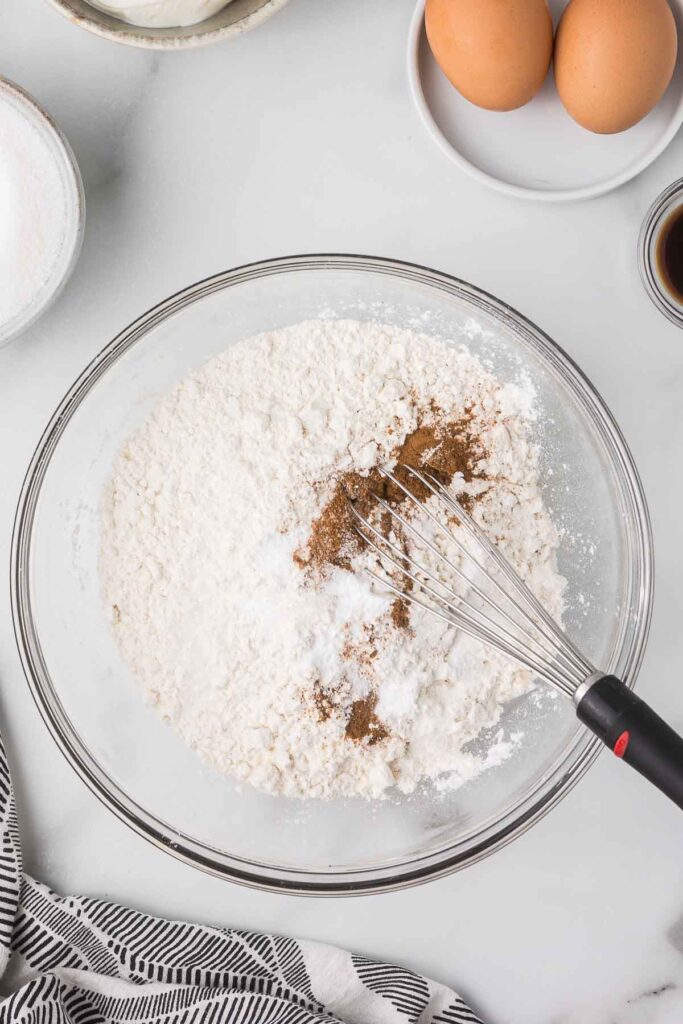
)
(510, 618)
(537, 644)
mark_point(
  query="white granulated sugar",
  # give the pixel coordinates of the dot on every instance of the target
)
(33, 210)
(214, 496)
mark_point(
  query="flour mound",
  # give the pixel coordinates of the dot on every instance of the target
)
(298, 677)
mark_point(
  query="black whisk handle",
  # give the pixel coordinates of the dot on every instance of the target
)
(632, 730)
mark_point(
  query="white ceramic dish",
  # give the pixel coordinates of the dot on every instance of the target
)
(537, 152)
(74, 205)
(239, 16)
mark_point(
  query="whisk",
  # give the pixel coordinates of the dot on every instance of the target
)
(487, 599)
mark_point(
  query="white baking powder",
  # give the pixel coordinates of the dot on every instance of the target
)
(34, 215)
(209, 502)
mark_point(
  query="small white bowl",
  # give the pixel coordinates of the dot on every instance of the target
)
(668, 203)
(74, 208)
(239, 16)
(538, 151)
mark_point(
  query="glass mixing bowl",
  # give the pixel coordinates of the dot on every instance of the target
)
(134, 762)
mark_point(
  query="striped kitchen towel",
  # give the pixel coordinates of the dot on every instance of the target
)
(71, 960)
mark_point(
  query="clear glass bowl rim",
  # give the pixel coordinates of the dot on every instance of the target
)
(541, 795)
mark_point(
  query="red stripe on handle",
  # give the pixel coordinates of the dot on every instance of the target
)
(622, 743)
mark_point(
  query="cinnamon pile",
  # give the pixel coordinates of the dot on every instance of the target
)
(445, 449)
(363, 723)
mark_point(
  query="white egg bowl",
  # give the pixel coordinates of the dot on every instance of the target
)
(538, 151)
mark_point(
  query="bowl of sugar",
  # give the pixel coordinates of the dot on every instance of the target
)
(42, 210)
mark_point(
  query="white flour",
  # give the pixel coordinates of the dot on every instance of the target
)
(214, 495)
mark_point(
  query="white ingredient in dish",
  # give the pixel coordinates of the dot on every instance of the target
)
(215, 493)
(34, 212)
(161, 13)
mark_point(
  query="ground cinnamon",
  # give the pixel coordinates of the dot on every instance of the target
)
(323, 703)
(445, 449)
(363, 724)
(400, 610)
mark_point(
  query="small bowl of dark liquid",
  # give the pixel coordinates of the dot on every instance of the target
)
(660, 250)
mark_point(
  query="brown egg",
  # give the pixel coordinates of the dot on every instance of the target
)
(614, 60)
(495, 52)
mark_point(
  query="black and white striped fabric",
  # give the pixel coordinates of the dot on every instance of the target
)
(70, 960)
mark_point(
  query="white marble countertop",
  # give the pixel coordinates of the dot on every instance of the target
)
(301, 137)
